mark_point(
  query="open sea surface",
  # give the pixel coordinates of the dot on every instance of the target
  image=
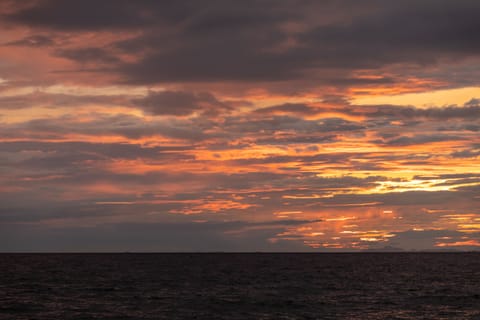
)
(240, 286)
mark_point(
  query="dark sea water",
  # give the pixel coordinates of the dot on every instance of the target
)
(240, 286)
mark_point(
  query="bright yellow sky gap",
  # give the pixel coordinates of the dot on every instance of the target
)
(437, 98)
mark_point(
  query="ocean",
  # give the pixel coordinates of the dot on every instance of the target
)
(240, 286)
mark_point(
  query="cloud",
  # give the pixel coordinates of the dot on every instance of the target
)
(157, 237)
(290, 108)
(178, 103)
(58, 154)
(59, 100)
(422, 139)
(467, 112)
(89, 54)
(430, 239)
(236, 114)
(74, 16)
(397, 198)
(37, 40)
(384, 36)
(298, 125)
(473, 152)
(297, 41)
(371, 40)
(123, 125)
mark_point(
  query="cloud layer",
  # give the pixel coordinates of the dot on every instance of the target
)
(233, 126)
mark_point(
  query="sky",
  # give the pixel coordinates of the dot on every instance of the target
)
(251, 125)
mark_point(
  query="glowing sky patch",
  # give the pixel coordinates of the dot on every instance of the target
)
(435, 98)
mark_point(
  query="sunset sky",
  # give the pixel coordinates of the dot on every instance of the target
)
(239, 125)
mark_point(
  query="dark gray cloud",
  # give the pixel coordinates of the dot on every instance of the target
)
(398, 198)
(255, 40)
(180, 236)
(88, 54)
(449, 176)
(421, 139)
(291, 108)
(37, 40)
(88, 15)
(59, 100)
(269, 125)
(473, 152)
(427, 240)
(178, 103)
(401, 33)
(468, 112)
(57, 155)
(123, 125)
